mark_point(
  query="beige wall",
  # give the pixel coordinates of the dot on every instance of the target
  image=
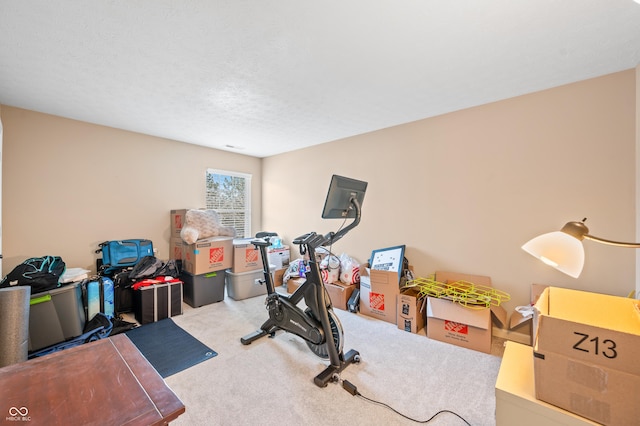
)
(464, 191)
(69, 185)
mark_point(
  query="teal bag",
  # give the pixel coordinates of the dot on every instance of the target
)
(123, 253)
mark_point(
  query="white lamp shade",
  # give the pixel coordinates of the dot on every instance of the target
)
(560, 250)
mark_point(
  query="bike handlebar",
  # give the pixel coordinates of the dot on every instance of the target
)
(311, 238)
(316, 240)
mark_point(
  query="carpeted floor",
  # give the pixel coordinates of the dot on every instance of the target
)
(270, 382)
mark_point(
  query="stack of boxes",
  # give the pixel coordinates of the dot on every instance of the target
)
(210, 264)
(175, 242)
(246, 277)
(203, 263)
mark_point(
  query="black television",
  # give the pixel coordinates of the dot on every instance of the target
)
(342, 190)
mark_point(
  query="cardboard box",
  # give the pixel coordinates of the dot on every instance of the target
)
(246, 257)
(516, 403)
(279, 256)
(411, 310)
(294, 283)
(521, 326)
(586, 354)
(378, 293)
(339, 293)
(467, 327)
(209, 255)
(278, 276)
(177, 221)
(175, 248)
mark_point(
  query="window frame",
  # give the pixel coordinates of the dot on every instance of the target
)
(247, 202)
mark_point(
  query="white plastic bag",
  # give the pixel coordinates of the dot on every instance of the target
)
(349, 269)
(330, 269)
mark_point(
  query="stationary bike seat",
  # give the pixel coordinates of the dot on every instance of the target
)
(260, 242)
(264, 234)
(263, 238)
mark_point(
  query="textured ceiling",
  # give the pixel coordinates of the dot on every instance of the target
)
(266, 77)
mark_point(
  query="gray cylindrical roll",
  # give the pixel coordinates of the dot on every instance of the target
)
(14, 324)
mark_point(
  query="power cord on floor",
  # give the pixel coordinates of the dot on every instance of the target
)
(353, 390)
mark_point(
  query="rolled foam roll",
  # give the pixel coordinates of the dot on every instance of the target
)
(14, 324)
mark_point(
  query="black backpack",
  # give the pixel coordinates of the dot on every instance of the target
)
(147, 267)
(40, 273)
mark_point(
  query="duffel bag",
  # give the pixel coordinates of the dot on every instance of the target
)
(123, 253)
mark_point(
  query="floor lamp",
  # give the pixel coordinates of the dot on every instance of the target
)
(563, 249)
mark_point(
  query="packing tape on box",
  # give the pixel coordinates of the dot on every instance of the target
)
(14, 324)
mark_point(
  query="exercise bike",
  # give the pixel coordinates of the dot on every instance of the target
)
(317, 324)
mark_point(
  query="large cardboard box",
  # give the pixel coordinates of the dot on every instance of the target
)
(175, 248)
(460, 325)
(246, 257)
(278, 276)
(411, 310)
(209, 255)
(586, 353)
(378, 293)
(339, 293)
(516, 403)
(177, 221)
(294, 283)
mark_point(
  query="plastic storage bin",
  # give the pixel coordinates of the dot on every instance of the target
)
(203, 289)
(246, 284)
(55, 316)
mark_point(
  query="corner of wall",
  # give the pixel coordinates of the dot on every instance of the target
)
(637, 178)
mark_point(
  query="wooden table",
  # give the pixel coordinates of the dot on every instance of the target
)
(106, 382)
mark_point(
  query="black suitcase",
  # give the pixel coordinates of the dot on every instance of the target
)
(122, 291)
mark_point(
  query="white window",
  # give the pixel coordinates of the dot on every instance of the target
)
(229, 194)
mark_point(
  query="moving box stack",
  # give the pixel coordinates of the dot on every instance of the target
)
(203, 263)
(246, 278)
(211, 263)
